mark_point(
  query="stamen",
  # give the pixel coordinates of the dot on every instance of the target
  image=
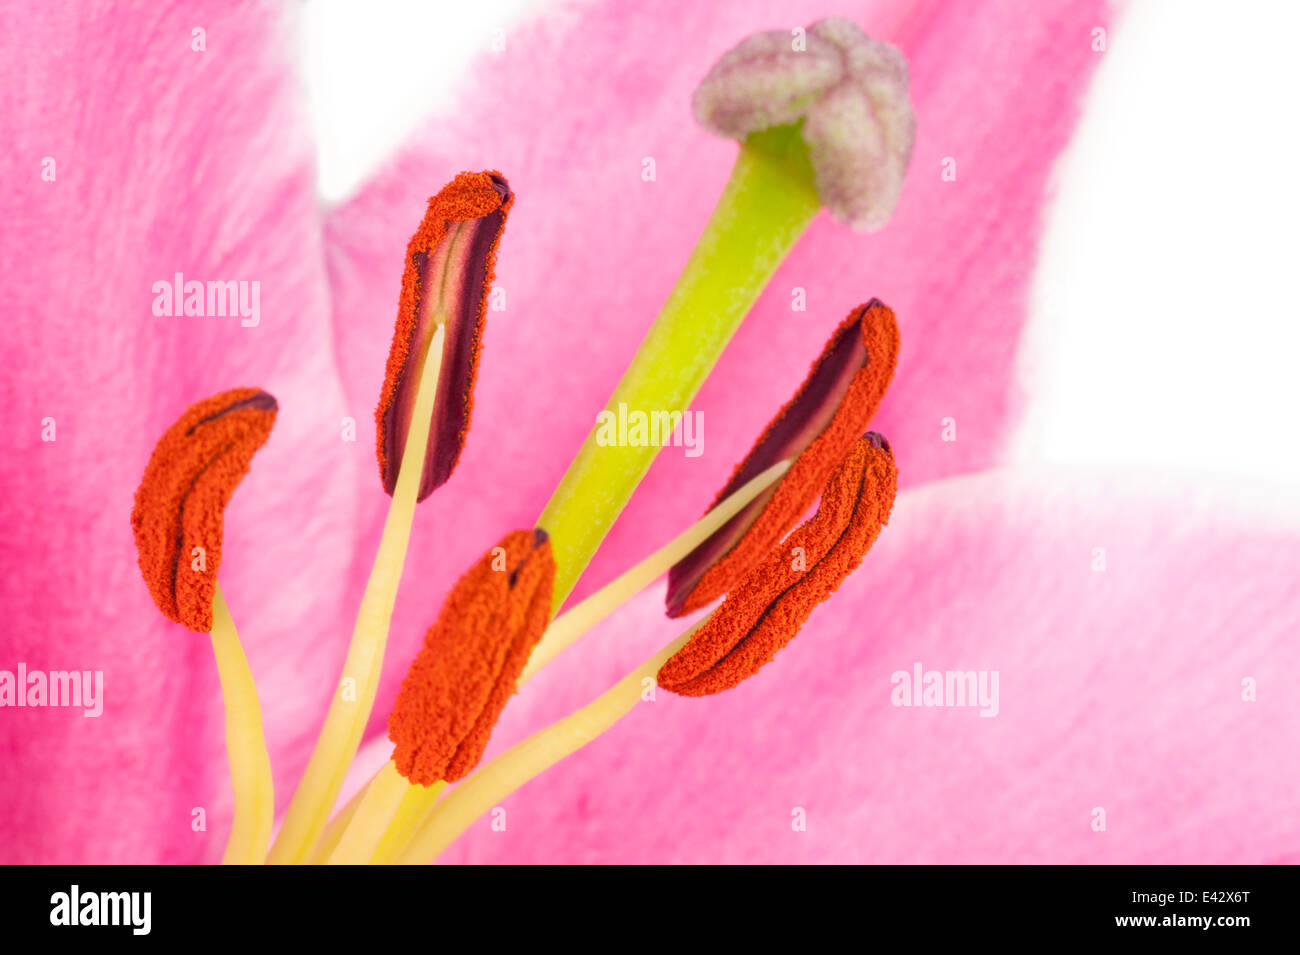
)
(182, 498)
(178, 516)
(346, 720)
(817, 427)
(448, 277)
(471, 660)
(765, 612)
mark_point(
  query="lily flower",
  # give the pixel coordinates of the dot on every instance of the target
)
(980, 568)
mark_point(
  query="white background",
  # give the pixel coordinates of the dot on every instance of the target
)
(1164, 329)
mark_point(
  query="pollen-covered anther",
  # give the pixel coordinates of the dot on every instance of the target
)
(767, 609)
(816, 428)
(447, 281)
(473, 654)
(847, 90)
(181, 501)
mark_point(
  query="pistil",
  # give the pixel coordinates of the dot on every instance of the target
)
(827, 125)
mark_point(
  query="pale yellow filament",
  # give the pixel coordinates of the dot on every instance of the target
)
(355, 695)
(250, 765)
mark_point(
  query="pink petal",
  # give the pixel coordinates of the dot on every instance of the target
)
(167, 160)
(1120, 689)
